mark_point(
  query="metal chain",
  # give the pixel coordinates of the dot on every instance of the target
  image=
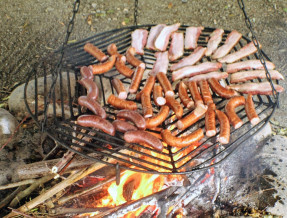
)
(256, 43)
(62, 52)
(136, 13)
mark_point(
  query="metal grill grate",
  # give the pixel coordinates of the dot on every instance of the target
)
(113, 150)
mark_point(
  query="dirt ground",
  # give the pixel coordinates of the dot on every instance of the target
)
(32, 29)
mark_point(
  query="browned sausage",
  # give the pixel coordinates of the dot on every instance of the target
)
(165, 84)
(87, 72)
(112, 49)
(182, 93)
(120, 88)
(91, 86)
(250, 111)
(205, 92)
(158, 119)
(92, 105)
(195, 93)
(95, 121)
(147, 88)
(210, 128)
(121, 103)
(123, 126)
(137, 78)
(146, 105)
(133, 116)
(122, 67)
(104, 67)
(158, 99)
(144, 138)
(220, 90)
(95, 51)
(192, 118)
(131, 58)
(224, 134)
(230, 110)
(182, 141)
(174, 105)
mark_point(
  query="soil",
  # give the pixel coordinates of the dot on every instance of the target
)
(31, 30)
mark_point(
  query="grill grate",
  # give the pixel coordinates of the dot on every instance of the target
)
(113, 150)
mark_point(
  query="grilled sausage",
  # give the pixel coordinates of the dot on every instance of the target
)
(87, 72)
(220, 90)
(175, 106)
(230, 110)
(104, 67)
(121, 103)
(92, 105)
(224, 134)
(182, 141)
(122, 67)
(182, 93)
(131, 58)
(210, 128)
(158, 99)
(143, 137)
(250, 111)
(112, 49)
(205, 92)
(165, 83)
(192, 118)
(91, 86)
(137, 78)
(146, 105)
(95, 121)
(193, 88)
(147, 87)
(123, 126)
(120, 88)
(95, 51)
(158, 119)
(133, 116)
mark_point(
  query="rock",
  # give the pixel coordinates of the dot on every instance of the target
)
(8, 124)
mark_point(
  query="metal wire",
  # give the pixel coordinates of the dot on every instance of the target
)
(136, 13)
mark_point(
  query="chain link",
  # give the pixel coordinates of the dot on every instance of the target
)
(136, 13)
(257, 45)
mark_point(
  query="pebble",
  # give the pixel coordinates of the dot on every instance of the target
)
(126, 11)
(94, 5)
(183, 1)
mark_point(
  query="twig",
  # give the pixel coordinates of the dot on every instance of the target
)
(18, 212)
(9, 197)
(69, 211)
(16, 184)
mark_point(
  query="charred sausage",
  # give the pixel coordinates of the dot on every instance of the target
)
(133, 116)
(121, 103)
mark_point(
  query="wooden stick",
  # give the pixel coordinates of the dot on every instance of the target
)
(69, 211)
(12, 195)
(16, 184)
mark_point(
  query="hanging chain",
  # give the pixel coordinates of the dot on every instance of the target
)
(256, 43)
(62, 52)
(136, 13)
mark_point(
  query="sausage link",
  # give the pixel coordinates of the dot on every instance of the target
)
(165, 83)
(224, 134)
(87, 72)
(120, 88)
(146, 105)
(92, 105)
(182, 141)
(193, 88)
(137, 78)
(147, 87)
(158, 119)
(205, 92)
(144, 138)
(121, 103)
(182, 93)
(104, 67)
(158, 99)
(122, 67)
(123, 126)
(95, 121)
(250, 110)
(220, 90)
(113, 50)
(133, 116)
(233, 103)
(210, 128)
(92, 88)
(175, 106)
(131, 58)
(192, 118)
(95, 51)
